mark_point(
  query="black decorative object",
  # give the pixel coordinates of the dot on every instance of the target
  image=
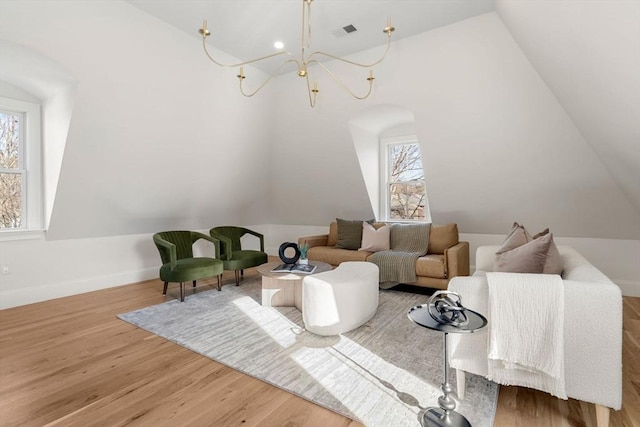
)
(284, 258)
(446, 307)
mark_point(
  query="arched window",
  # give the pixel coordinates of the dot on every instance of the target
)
(384, 138)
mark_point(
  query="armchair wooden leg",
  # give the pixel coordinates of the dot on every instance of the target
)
(237, 277)
(602, 416)
(164, 291)
(219, 282)
(194, 283)
(181, 291)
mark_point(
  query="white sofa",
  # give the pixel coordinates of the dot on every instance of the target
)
(592, 330)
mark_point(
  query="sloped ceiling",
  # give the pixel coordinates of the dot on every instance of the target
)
(589, 56)
(497, 145)
(159, 138)
(248, 28)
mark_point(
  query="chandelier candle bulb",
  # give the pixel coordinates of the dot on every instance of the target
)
(304, 60)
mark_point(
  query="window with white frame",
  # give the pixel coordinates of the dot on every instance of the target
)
(20, 166)
(404, 194)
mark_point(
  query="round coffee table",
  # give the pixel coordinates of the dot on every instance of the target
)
(285, 289)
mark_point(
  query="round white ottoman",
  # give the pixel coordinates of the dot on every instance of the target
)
(340, 300)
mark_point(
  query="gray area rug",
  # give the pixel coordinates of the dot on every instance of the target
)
(385, 373)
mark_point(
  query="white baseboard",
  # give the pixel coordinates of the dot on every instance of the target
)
(629, 288)
(33, 294)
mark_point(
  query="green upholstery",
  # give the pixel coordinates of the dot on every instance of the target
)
(232, 255)
(178, 262)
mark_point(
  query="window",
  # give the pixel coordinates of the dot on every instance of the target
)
(405, 196)
(20, 166)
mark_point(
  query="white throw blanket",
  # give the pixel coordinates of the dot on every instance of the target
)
(526, 331)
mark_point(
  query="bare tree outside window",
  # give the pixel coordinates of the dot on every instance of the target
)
(11, 174)
(407, 195)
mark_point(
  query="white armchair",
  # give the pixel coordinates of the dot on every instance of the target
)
(592, 331)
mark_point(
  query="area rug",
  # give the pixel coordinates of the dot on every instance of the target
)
(385, 373)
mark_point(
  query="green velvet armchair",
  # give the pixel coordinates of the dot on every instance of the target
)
(233, 256)
(178, 263)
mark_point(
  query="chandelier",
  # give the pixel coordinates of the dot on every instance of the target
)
(304, 61)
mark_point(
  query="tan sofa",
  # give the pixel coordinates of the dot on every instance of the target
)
(447, 257)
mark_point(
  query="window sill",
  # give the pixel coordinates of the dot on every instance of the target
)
(10, 235)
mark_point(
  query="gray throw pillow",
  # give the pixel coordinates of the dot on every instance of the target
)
(518, 236)
(554, 263)
(350, 233)
(528, 258)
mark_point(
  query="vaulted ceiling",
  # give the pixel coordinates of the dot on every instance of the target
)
(526, 111)
(247, 29)
(588, 56)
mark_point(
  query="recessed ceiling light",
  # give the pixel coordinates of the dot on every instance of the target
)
(278, 45)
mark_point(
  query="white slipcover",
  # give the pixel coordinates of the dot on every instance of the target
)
(592, 328)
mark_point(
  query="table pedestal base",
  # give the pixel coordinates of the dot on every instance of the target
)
(435, 417)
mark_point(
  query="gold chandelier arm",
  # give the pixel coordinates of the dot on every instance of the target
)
(357, 64)
(334, 77)
(241, 77)
(314, 91)
(303, 62)
(204, 46)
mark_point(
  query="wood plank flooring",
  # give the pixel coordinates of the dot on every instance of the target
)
(71, 362)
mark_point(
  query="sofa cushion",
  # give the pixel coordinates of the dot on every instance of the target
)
(375, 240)
(350, 233)
(335, 256)
(442, 237)
(528, 258)
(431, 266)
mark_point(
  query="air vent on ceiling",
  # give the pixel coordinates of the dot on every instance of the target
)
(349, 29)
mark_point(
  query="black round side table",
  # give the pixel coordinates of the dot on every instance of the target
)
(445, 415)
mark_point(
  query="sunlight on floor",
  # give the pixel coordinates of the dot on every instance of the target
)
(367, 385)
(279, 328)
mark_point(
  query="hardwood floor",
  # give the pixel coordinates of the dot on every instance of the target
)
(71, 362)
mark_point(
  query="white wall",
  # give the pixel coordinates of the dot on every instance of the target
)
(159, 138)
(497, 145)
(39, 270)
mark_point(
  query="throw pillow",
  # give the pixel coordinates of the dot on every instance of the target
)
(349, 233)
(554, 263)
(528, 258)
(375, 240)
(518, 236)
